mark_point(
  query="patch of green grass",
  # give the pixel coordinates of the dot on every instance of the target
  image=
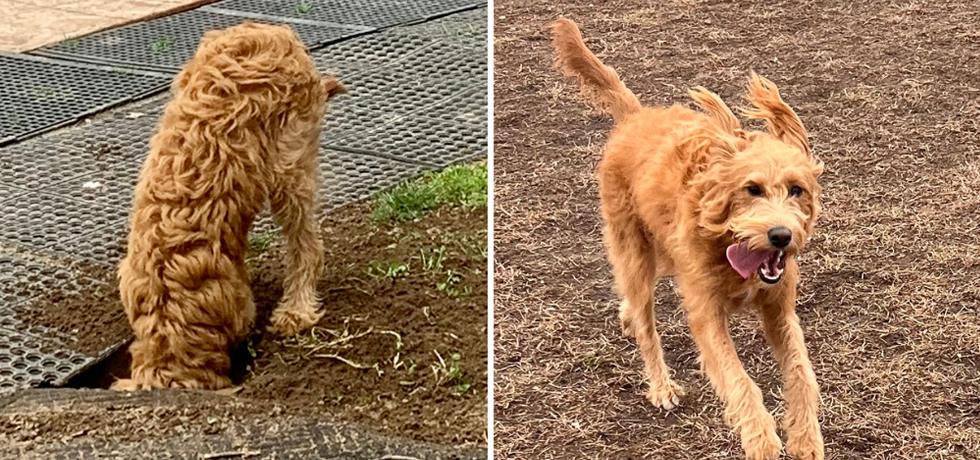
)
(453, 285)
(463, 30)
(71, 42)
(303, 7)
(591, 361)
(451, 374)
(432, 261)
(389, 270)
(461, 185)
(162, 44)
(261, 242)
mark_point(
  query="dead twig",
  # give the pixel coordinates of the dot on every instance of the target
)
(345, 361)
(230, 454)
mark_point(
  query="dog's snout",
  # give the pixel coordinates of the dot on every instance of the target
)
(780, 236)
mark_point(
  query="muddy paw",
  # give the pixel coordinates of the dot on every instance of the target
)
(289, 322)
(762, 444)
(666, 396)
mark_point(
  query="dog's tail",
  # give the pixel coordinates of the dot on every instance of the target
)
(599, 82)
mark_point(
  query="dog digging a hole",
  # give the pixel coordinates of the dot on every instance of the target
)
(724, 210)
(241, 130)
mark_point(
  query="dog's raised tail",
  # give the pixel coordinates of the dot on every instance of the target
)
(599, 82)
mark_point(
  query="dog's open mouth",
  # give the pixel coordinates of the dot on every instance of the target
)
(768, 264)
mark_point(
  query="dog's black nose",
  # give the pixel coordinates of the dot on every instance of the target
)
(780, 236)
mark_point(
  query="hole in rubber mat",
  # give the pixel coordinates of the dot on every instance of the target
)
(116, 366)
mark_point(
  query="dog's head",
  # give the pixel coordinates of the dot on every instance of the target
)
(256, 70)
(755, 192)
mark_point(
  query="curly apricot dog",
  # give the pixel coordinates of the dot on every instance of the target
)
(241, 130)
(726, 211)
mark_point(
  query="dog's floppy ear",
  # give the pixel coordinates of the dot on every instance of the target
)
(780, 118)
(332, 87)
(717, 110)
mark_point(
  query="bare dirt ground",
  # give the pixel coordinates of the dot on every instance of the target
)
(402, 348)
(890, 292)
(403, 345)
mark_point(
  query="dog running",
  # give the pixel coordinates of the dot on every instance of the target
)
(724, 210)
(242, 130)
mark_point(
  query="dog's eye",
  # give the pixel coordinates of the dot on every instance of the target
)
(754, 190)
(796, 190)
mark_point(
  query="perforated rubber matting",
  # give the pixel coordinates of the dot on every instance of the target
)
(37, 94)
(117, 428)
(380, 14)
(165, 44)
(417, 102)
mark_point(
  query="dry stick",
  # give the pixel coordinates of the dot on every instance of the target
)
(397, 457)
(243, 454)
(345, 361)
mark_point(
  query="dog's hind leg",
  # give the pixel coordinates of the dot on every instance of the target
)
(744, 409)
(635, 272)
(782, 328)
(294, 204)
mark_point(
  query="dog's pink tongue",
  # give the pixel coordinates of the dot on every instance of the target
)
(744, 260)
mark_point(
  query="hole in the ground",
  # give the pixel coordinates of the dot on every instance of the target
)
(116, 366)
(102, 374)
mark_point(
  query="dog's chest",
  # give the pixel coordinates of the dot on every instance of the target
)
(744, 299)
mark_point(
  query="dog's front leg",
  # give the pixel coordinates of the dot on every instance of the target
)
(744, 409)
(802, 394)
(294, 205)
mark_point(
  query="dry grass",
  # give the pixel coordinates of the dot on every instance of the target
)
(890, 294)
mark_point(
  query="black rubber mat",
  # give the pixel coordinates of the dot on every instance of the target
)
(69, 193)
(32, 355)
(38, 94)
(166, 43)
(420, 89)
(72, 184)
(371, 13)
(465, 27)
(191, 425)
(418, 138)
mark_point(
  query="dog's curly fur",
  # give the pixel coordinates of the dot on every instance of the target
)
(677, 189)
(241, 131)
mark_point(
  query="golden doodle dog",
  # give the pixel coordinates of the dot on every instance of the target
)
(242, 130)
(726, 211)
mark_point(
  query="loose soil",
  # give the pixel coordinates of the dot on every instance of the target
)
(91, 322)
(890, 293)
(382, 356)
(394, 389)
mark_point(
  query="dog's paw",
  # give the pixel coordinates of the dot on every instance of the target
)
(806, 447)
(761, 443)
(290, 322)
(125, 385)
(666, 396)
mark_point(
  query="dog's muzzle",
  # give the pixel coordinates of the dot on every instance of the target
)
(771, 270)
(769, 264)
